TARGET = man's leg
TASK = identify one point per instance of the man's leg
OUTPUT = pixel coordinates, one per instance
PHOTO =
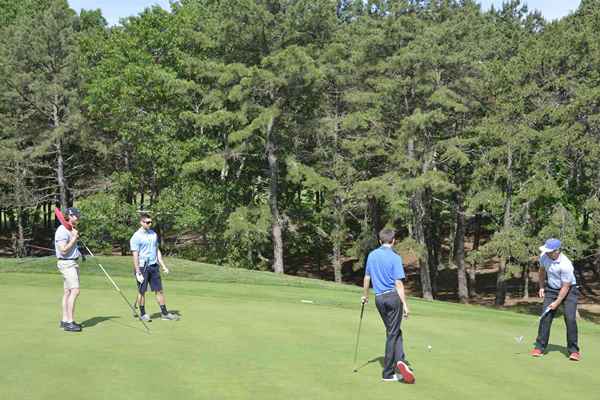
(570, 311)
(390, 316)
(543, 337)
(65, 311)
(71, 299)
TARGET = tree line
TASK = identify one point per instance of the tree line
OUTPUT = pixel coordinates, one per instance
(284, 134)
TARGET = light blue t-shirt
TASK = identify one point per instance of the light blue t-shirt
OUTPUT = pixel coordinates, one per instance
(62, 236)
(558, 271)
(384, 267)
(146, 244)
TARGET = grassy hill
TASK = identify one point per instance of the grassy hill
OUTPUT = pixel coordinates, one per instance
(255, 335)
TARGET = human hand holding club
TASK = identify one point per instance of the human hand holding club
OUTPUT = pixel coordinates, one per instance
(364, 299)
(405, 312)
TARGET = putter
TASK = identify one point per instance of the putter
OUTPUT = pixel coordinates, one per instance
(67, 225)
(115, 286)
(519, 339)
(362, 309)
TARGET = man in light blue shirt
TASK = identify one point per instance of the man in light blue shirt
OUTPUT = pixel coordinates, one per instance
(557, 285)
(146, 259)
(385, 270)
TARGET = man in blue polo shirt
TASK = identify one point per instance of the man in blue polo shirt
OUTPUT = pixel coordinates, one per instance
(146, 259)
(385, 270)
(557, 286)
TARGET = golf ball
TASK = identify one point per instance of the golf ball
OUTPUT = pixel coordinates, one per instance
(429, 347)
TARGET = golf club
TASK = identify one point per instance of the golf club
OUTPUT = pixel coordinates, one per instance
(115, 285)
(362, 309)
(59, 215)
(519, 339)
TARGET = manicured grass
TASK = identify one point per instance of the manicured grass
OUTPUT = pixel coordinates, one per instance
(248, 335)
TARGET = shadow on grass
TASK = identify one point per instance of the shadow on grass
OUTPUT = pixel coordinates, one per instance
(158, 315)
(556, 348)
(88, 323)
(376, 359)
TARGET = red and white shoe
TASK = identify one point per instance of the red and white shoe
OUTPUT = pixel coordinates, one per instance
(407, 375)
(575, 356)
(536, 353)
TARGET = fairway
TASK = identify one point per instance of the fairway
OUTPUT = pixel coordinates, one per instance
(254, 338)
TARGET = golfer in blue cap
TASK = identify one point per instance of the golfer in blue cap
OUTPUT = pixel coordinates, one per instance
(557, 285)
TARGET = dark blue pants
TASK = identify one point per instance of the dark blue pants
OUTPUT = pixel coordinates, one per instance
(570, 311)
(151, 275)
(390, 308)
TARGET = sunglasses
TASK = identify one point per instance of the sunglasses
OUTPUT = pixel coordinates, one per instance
(147, 222)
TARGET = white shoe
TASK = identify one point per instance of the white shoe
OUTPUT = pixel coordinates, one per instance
(145, 318)
(169, 317)
(394, 378)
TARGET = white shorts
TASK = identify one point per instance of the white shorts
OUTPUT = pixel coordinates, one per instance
(70, 272)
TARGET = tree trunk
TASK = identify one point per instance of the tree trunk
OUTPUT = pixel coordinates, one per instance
(276, 229)
(459, 249)
(526, 281)
(501, 278)
(60, 175)
(337, 240)
(419, 225)
(473, 269)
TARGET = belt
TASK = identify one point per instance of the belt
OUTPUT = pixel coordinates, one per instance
(386, 292)
(68, 259)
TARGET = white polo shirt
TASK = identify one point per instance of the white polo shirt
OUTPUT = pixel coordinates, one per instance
(558, 271)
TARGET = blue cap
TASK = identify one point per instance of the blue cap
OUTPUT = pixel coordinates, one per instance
(550, 246)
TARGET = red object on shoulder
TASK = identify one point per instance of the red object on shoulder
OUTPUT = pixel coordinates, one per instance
(59, 215)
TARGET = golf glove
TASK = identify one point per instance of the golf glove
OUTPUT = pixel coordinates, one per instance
(139, 277)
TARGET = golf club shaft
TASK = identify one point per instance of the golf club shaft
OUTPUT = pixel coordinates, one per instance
(115, 286)
(362, 309)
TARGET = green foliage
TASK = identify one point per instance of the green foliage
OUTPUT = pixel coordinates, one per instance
(106, 221)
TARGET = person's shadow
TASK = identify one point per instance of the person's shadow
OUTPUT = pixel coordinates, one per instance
(554, 347)
(157, 315)
(374, 360)
(88, 323)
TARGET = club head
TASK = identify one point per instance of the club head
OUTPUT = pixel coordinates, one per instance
(519, 339)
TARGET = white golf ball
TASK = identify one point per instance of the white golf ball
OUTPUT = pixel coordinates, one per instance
(429, 347)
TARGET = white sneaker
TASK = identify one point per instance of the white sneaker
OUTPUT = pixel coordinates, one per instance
(145, 318)
(394, 378)
(169, 317)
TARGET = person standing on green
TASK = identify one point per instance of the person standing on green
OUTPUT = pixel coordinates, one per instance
(557, 286)
(67, 253)
(385, 270)
(146, 260)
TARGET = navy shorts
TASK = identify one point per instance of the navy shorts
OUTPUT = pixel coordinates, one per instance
(151, 275)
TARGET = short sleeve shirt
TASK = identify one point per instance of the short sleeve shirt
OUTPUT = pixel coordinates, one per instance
(558, 271)
(146, 244)
(61, 237)
(384, 267)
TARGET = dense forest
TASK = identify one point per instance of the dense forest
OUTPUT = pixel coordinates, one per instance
(284, 134)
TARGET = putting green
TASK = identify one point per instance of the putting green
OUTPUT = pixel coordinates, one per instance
(245, 337)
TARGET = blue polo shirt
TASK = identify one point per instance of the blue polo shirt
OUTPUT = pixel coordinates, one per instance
(145, 242)
(384, 267)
